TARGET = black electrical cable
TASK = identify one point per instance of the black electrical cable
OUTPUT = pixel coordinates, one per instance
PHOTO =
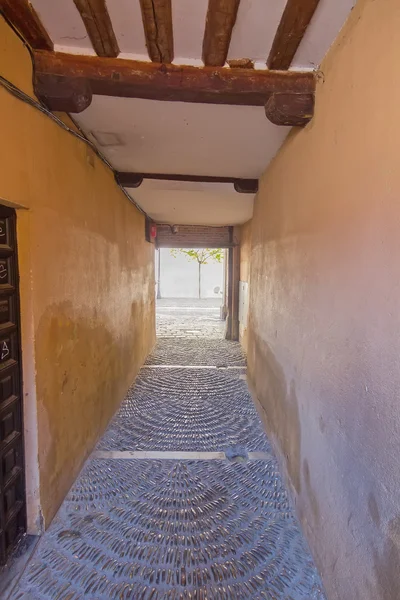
(18, 93)
(17, 32)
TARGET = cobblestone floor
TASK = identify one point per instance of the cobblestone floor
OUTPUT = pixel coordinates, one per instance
(157, 526)
(189, 318)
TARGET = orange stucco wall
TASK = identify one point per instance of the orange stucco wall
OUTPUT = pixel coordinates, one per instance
(87, 285)
(324, 332)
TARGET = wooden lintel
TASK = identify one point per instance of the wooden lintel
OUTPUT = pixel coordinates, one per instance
(157, 23)
(221, 18)
(134, 180)
(294, 110)
(132, 79)
(97, 21)
(68, 95)
(131, 180)
(246, 186)
(24, 17)
(292, 27)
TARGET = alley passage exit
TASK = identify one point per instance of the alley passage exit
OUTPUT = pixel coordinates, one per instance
(182, 498)
(190, 318)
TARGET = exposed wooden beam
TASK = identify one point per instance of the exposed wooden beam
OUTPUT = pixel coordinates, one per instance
(97, 21)
(292, 27)
(134, 180)
(246, 186)
(24, 17)
(290, 109)
(132, 79)
(66, 95)
(157, 23)
(221, 17)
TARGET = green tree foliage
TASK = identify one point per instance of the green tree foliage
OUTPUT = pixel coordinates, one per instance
(201, 255)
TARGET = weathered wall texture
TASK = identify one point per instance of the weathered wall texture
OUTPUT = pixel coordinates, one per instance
(87, 282)
(324, 340)
(245, 257)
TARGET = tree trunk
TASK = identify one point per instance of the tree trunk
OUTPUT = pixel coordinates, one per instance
(199, 280)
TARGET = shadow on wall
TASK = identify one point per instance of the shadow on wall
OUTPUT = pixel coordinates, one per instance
(374, 530)
(280, 411)
(80, 390)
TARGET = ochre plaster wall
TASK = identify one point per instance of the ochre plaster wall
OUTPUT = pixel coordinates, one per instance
(87, 284)
(245, 256)
(324, 331)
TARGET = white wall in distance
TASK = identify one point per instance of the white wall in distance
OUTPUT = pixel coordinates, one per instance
(179, 277)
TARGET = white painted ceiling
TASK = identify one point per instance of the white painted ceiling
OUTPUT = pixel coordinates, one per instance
(182, 203)
(148, 136)
(183, 138)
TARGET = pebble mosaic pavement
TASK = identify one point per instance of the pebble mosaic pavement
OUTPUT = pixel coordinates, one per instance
(178, 529)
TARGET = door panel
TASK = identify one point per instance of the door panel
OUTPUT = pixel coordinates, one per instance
(12, 478)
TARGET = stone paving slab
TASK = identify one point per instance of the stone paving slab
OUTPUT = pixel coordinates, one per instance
(173, 530)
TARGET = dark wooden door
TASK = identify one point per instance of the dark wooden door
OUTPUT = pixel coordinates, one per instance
(12, 477)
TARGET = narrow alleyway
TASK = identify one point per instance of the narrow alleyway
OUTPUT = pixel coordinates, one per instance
(182, 498)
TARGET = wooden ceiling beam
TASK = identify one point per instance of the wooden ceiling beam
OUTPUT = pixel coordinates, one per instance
(57, 75)
(292, 27)
(134, 180)
(294, 110)
(98, 25)
(24, 17)
(221, 18)
(157, 23)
